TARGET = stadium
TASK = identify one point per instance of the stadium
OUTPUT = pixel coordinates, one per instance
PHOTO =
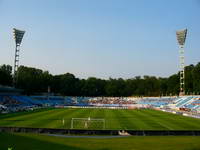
(44, 111)
(46, 119)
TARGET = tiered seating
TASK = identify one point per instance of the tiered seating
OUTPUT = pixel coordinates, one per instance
(81, 101)
(52, 100)
(156, 102)
(192, 103)
(68, 100)
(178, 100)
(24, 101)
(195, 104)
(184, 101)
(1, 98)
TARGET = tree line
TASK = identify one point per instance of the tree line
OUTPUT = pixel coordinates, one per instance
(37, 81)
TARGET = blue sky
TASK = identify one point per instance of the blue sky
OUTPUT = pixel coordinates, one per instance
(101, 38)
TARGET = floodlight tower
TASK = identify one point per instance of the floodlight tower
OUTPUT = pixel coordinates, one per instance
(181, 36)
(18, 35)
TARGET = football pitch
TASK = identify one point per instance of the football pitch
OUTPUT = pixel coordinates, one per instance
(115, 119)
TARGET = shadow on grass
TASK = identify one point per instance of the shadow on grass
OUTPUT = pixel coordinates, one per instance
(18, 142)
(16, 114)
(26, 141)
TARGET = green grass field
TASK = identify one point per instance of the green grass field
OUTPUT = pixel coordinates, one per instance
(43, 142)
(115, 119)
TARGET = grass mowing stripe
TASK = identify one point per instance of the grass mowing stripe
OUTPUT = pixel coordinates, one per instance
(115, 119)
(151, 122)
(30, 115)
(67, 114)
(165, 119)
(126, 120)
(176, 121)
(136, 119)
(120, 119)
(158, 120)
(18, 120)
(39, 120)
(112, 121)
(52, 120)
(15, 114)
(99, 113)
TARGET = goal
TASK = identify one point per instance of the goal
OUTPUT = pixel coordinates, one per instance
(88, 123)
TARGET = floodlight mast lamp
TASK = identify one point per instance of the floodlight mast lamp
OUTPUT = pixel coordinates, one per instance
(18, 35)
(181, 37)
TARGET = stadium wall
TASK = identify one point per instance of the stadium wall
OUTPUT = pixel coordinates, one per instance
(102, 132)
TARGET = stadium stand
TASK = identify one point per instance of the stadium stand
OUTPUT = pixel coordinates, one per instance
(184, 101)
(12, 100)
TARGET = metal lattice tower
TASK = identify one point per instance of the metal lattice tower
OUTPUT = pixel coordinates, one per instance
(181, 36)
(18, 35)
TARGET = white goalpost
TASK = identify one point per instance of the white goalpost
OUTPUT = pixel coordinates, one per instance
(88, 123)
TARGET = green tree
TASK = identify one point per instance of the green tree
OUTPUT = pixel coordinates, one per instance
(33, 80)
(189, 70)
(196, 78)
(173, 85)
(6, 75)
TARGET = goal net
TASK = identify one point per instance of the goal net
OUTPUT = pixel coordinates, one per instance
(88, 123)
